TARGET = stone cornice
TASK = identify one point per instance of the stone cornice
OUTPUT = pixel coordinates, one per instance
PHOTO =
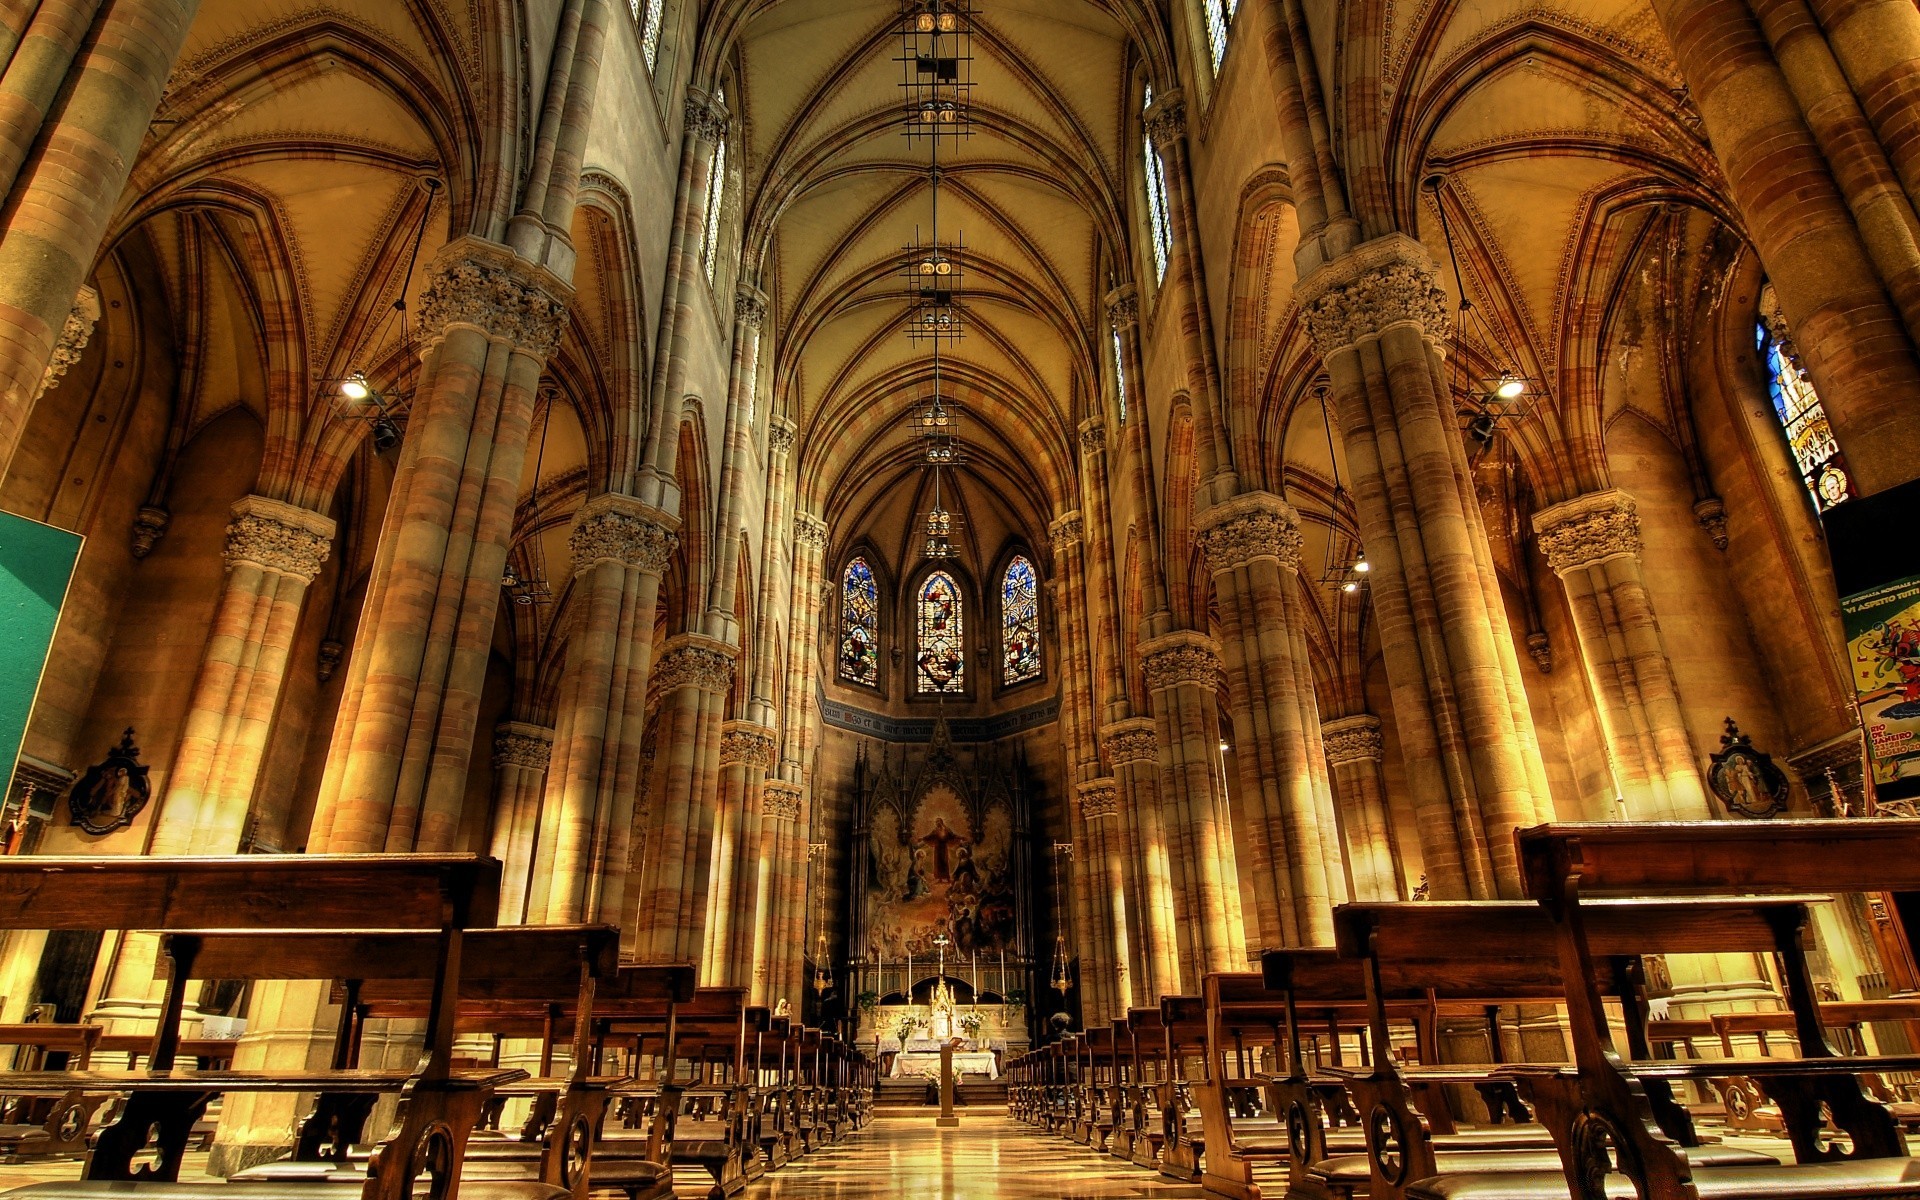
(279, 537)
(518, 744)
(747, 744)
(1130, 741)
(486, 286)
(696, 661)
(1588, 530)
(1099, 798)
(780, 800)
(1374, 287)
(620, 529)
(1352, 739)
(1254, 525)
(1182, 657)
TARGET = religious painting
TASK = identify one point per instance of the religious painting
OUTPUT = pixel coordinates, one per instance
(1019, 622)
(941, 626)
(944, 870)
(860, 625)
(1744, 779)
(113, 791)
(1883, 642)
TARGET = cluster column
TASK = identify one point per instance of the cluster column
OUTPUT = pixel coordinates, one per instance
(780, 933)
(746, 755)
(691, 680)
(1592, 543)
(620, 548)
(396, 777)
(274, 552)
(1083, 758)
(1252, 545)
(1183, 673)
(1106, 873)
(1133, 751)
(1354, 752)
(1378, 317)
(521, 754)
(80, 84)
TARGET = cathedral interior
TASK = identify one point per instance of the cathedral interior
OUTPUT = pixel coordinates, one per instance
(1018, 507)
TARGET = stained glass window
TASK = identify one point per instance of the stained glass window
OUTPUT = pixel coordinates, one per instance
(1019, 622)
(716, 192)
(860, 624)
(1120, 375)
(1157, 221)
(650, 28)
(1219, 18)
(942, 658)
(1822, 467)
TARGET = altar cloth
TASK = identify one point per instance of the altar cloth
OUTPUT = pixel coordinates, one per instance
(927, 1066)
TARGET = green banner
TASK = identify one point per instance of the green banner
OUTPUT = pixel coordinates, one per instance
(36, 564)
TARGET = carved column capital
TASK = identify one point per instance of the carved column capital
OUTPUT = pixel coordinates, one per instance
(1123, 307)
(486, 286)
(280, 537)
(518, 744)
(746, 744)
(75, 333)
(1130, 741)
(693, 660)
(780, 800)
(1065, 533)
(1099, 798)
(1253, 525)
(1588, 530)
(1166, 121)
(619, 529)
(1182, 657)
(1372, 288)
(706, 116)
(1352, 739)
(750, 306)
(780, 435)
(809, 530)
(1093, 436)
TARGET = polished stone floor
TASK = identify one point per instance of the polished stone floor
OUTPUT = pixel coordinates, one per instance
(987, 1158)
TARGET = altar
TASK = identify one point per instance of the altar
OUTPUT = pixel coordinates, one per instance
(914, 1062)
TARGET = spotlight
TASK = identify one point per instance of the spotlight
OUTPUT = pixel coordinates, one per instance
(355, 387)
(386, 435)
(1510, 387)
(1362, 565)
(1350, 587)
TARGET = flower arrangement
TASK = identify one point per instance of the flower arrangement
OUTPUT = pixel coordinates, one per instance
(970, 1024)
(904, 1030)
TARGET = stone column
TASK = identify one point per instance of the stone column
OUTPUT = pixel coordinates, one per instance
(274, 552)
(1818, 152)
(1378, 317)
(705, 123)
(1133, 751)
(72, 129)
(1103, 596)
(1183, 673)
(1074, 670)
(521, 754)
(1106, 868)
(1252, 546)
(691, 680)
(802, 714)
(746, 755)
(1353, 749)
(396, 777)
(620, 549)
(773, 940)
(1592, 543)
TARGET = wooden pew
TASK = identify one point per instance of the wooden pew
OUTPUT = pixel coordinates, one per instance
(699, 1082)
(1599, 1110)
(1097, 1086)
(1183, 1136)
(1147, 1084)
(1496, 953)
(444, 895)
(49, 1127)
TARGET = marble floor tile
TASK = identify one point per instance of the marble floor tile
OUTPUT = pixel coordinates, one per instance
(987, 1158)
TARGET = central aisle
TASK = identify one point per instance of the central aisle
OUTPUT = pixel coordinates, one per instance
(988, 1157)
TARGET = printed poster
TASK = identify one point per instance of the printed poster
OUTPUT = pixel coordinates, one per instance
(1883, 645)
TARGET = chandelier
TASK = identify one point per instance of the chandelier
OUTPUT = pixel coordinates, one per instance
(1487, 398)
(358, 396)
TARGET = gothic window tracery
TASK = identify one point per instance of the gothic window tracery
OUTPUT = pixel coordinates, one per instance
(1120, 375)
(1219, 22)
(1158, 223)
(1823, 469)
(650, 14)
(1019, 622)
(860, 624)
(940, 626)
(716, 194)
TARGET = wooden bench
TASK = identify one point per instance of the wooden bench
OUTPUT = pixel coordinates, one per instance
(441, 895)
(1598, 1109)
(691, 1069)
